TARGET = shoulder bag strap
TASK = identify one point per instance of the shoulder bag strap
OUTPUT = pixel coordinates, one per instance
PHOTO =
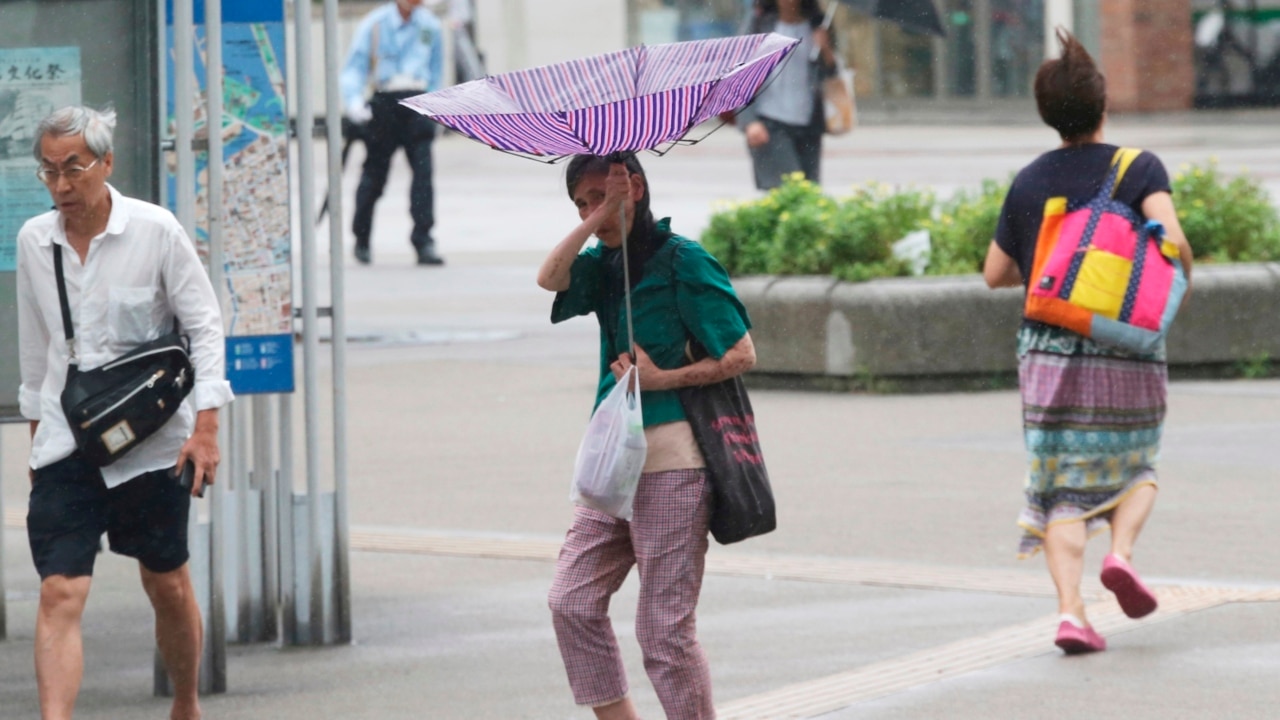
(693, 350)
(1124, 157)
(67, 328)
(1120, 163)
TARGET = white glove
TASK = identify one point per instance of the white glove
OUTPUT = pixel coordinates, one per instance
(359, 113)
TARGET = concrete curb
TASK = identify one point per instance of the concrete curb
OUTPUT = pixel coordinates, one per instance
(954, 327)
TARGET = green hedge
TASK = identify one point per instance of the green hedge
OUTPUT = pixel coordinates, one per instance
(797, 229)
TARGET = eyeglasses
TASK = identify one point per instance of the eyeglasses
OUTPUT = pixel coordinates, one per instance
(49, 176)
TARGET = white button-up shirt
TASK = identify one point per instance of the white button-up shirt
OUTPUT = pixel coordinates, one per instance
(139, 274)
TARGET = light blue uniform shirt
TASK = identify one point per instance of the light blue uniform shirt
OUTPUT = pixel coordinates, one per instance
(410, 54)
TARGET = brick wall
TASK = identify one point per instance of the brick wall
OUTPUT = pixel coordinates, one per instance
(1146, 54)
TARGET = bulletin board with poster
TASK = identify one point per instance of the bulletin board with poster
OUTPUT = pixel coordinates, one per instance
(55, 53)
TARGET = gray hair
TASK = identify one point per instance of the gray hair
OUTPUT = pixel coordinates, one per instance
(96, 126)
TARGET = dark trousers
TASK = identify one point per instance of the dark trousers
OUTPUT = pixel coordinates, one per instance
(791, 148)
(394, 126)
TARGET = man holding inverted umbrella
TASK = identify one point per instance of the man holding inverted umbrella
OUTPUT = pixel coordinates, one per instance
(675, 303)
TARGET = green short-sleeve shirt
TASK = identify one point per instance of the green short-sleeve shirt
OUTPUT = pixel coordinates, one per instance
(684, 293)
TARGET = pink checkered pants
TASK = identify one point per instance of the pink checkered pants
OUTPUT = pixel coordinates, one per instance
(667, 540)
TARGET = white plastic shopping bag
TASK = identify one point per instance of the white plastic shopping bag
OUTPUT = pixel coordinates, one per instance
(612, 452)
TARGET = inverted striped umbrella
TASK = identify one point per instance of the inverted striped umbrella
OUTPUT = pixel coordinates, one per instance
(642, 98)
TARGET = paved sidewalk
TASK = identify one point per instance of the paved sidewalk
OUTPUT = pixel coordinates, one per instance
(890, 589)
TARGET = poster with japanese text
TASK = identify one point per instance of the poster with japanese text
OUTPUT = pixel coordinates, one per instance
(33, 83)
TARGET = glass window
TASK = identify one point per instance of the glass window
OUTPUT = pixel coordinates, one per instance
(906, 62)
(962, 67)
(1017, 45)
(663, 21)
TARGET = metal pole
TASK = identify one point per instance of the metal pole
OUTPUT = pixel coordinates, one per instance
(1057, 12)
(245, 564)
(216, 634)
(183, 113)
(216, 630)
(941, 66)
(3, 623)
(162, 93)
(284, 509)
(982, 49)
(310, 335)
(264, 480)
(337, 292)
(184, 204)
(213, 664)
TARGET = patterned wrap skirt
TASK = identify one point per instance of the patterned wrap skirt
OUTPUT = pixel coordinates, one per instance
(1091, 419)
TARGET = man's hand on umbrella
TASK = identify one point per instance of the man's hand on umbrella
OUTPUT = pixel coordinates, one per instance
(757, 134)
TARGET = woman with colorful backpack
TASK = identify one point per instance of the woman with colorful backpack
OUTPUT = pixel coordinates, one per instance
(1092, 408)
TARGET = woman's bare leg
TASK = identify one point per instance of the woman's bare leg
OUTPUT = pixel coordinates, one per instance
(1128, 519)
(1064, 551)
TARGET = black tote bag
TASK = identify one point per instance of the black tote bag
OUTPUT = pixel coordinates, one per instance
(725, 429)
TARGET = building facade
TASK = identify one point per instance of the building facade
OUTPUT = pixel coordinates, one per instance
(1158, 55)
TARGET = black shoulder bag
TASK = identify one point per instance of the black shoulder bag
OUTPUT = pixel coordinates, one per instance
(113, 408)
(724, 427)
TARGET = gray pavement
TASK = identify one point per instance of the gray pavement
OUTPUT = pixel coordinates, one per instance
(890, 589)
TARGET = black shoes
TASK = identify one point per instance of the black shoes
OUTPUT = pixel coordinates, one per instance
(427, 256)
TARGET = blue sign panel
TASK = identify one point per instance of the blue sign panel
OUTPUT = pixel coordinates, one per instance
(235, 11)
(261, 364)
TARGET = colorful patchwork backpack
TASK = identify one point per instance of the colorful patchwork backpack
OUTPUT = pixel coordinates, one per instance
(1105, 272)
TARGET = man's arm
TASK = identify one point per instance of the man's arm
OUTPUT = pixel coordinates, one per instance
(33, 339)
(33, 346)
(202, 450)
(31, 474)
(355, 71)
(193, 301)
(435, 62)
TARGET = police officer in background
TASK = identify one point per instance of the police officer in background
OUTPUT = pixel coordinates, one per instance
(397, 52)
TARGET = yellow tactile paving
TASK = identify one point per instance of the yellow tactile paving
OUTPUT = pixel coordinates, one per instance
(824, 695)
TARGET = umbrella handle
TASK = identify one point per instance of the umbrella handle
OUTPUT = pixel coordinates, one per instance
(626, 281)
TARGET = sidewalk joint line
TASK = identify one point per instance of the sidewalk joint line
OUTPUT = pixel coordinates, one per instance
(813, 698)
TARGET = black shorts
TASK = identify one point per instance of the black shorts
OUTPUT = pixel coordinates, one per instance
(70, 508)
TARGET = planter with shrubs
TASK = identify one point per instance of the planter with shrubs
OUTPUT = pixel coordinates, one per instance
(880, 288)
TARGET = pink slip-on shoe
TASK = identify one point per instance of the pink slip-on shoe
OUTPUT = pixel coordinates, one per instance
(1135, 599)
(1075, 640)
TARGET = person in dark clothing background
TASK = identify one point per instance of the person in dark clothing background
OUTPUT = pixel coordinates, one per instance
(398, 52)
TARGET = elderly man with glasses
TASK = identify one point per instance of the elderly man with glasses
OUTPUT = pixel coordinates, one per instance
(130, 272)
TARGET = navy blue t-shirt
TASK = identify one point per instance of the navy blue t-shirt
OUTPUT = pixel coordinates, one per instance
(1075, 172)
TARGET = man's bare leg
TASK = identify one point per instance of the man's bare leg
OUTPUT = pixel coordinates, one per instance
(59, 650)
(179, 635)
